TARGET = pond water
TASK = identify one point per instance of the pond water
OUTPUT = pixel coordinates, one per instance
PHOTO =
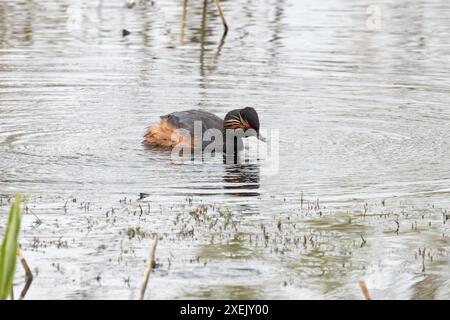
(360, 96)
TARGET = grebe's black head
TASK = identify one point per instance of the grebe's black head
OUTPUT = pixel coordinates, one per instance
(245, 119)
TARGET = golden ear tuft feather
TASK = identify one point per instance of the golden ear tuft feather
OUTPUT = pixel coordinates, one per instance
(237, 122)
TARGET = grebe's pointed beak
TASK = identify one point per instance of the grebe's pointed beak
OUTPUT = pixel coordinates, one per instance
(260, 137)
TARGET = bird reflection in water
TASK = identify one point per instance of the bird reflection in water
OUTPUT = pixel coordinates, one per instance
(242, 179)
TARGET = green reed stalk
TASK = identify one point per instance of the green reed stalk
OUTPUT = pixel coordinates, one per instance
(8, 251)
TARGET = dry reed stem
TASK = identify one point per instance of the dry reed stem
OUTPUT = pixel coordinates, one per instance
(150, 265)
(28, 274)
(365, 291)
(222, 17)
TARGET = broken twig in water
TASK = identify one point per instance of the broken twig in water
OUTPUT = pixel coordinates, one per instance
(28, 274)
(365, 291)
(222, 17)
(364, 242)
(149, 268)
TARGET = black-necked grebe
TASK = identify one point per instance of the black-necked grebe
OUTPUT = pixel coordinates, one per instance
(166, 133)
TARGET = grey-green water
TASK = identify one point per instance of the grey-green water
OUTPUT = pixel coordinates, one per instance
(362, 106)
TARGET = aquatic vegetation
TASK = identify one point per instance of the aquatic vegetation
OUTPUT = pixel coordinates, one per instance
(136, 232)
(293, 247)
(9, 252)
(9, 248)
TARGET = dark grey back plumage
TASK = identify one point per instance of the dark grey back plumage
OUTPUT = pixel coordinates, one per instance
(186, 119)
